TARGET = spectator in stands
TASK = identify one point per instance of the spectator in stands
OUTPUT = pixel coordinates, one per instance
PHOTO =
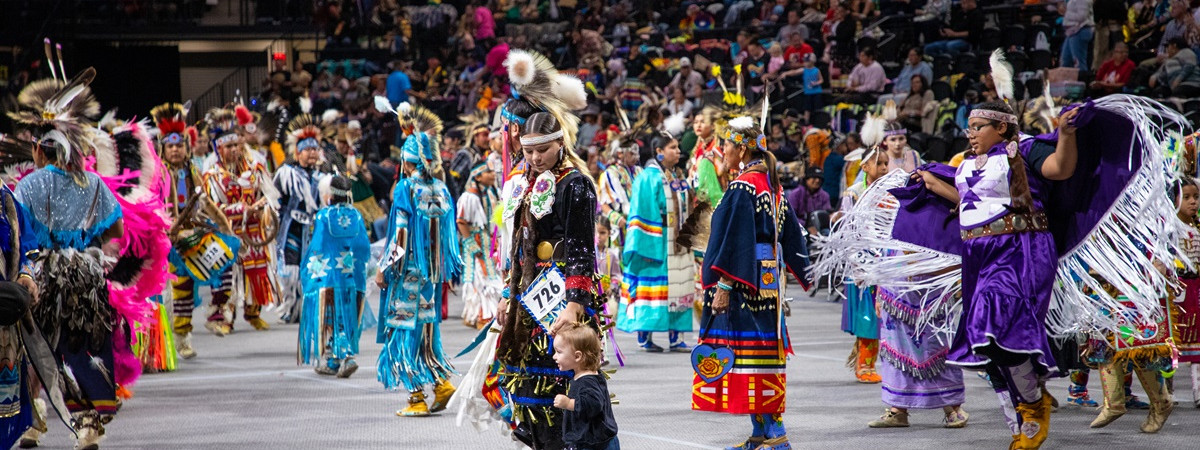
(960, 33)
(754, 67)
(775, 64)
(687, 79)
(793, 26)
(867, 80)
(485, 22)
(737, 49)
(1109, 15)
(796, 49)
(862, 9)
(678, 104)
(738, 10)
(897, 7)
(1178, 75)
(914, 64)
(1113, 73)
(918, 110)
(813, 98)
(839, 40)
(809, 197)
(1078, 26)
(399, 85)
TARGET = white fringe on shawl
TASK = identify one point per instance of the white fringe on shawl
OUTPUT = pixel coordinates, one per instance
(1138, 230)
(861, 247)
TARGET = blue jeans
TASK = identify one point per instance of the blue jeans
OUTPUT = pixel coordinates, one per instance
(951, 47)
(1075, 49)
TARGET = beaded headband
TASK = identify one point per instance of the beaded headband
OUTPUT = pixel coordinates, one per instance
(226, 138)
(307, 144)
(900, 132)
(508, 115)
(737, 137)
(538, 140)
(339, 192)
(173, 138)
(994, 115)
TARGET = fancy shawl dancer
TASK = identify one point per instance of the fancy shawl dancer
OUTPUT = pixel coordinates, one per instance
(73, 215)
(755, 237)
(422, 253)
(334, 278)
(551, 217)
(658, 284)
(1029, 211)
(912, 362)
(240, 185)
(299, 200)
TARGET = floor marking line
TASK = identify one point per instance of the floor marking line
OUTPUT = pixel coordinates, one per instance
(664, 439)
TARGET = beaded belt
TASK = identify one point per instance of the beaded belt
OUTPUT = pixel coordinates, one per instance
(1012, 223)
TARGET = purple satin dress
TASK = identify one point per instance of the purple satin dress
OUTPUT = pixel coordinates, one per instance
(1007, 280)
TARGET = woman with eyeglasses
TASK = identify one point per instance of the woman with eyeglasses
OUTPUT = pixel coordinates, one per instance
(1008, 259)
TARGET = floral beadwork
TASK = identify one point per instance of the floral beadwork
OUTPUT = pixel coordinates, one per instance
(541, 199)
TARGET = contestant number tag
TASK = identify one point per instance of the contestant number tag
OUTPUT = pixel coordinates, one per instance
(546, 297)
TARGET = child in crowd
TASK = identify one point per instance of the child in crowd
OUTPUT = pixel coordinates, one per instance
(334, 275)
(588, 422)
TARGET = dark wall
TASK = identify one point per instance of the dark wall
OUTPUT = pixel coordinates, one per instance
(130, 78)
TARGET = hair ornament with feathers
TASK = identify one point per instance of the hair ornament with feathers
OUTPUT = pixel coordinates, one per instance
(423, 135)
(1002, 76)
(535, 80)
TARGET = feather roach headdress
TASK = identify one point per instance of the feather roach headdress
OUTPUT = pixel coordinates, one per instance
(170, 119)
(303, 133)
(423, 135)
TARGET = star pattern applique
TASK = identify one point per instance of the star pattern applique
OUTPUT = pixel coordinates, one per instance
(345, 262)
(318, 266)
(344, 221)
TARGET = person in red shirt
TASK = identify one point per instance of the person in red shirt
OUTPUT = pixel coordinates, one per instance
(796, 46)
(1113, 73)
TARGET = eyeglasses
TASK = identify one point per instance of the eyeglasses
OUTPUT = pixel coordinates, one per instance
(976, 129)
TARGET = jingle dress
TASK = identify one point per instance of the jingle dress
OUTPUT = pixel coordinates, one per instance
(552, 221)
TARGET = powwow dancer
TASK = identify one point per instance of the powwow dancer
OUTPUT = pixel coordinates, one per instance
(1014, 234)
(334, 278)
(241, 186)
(755, 237)
(296, 180)
(550, 215)
(481, 279)
(175, 141)
(912, 368)
(658, 283)
(422, 253)
(72, 214)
